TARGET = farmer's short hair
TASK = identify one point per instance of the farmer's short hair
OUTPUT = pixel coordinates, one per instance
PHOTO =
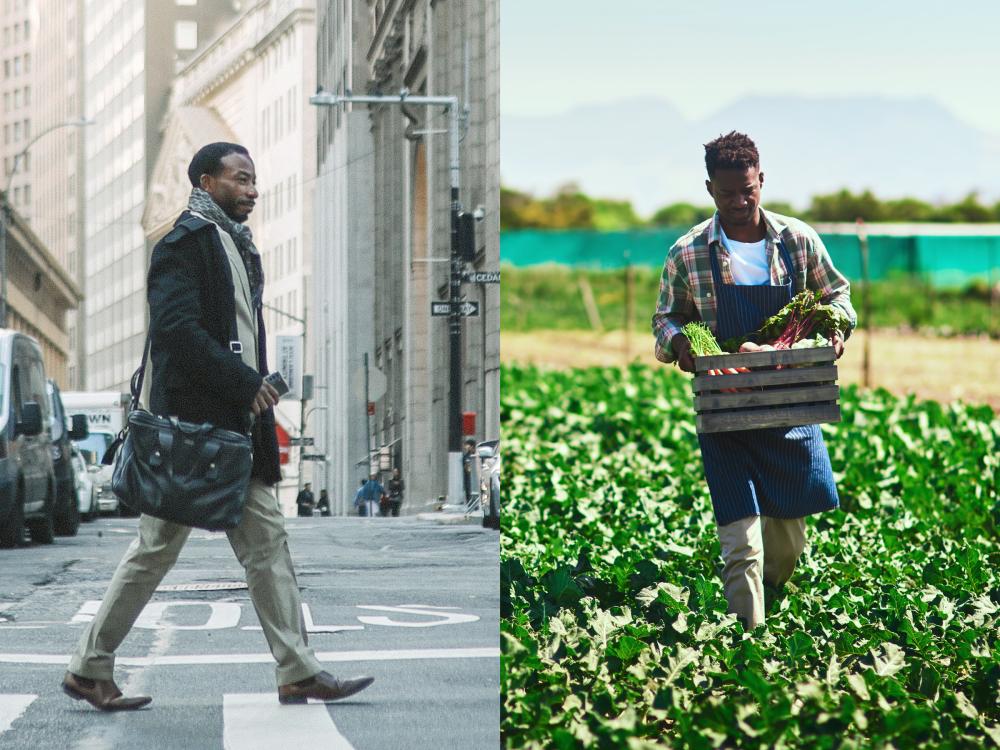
(209, 158)
(731, 151)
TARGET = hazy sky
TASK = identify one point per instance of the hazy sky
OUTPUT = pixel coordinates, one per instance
(704, 54)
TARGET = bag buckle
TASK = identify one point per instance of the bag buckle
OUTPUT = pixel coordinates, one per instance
(236, 347)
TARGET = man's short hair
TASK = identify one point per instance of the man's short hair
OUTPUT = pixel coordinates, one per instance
(209, 158)
(731, 151)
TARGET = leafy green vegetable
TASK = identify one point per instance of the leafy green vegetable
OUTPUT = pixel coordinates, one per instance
(614, 625)
(802, 318)
(702, 339)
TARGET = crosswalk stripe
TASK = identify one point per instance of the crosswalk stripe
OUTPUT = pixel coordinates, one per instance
(256, 721)
(324, 656)
(11, 708)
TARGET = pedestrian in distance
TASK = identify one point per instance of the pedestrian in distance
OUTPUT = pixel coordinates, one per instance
(323, 506)
(358, 502)
(395, 489)
(732, 272)
(205, 284)
(369, 496)
(468, 468)
(304, 501)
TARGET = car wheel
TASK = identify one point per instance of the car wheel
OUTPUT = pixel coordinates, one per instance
(68, 522)
(92, 509)
(42, 529)
(12, 530)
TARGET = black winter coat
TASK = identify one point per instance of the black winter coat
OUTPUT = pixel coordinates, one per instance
(192, 319)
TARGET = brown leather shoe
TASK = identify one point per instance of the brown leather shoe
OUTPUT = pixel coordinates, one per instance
(322, 687)
(102, 694)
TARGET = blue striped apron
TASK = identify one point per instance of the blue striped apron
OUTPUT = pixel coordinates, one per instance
(782, 472)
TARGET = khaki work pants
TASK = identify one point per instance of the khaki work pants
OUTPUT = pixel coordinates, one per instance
(261, 545)
(758, 550)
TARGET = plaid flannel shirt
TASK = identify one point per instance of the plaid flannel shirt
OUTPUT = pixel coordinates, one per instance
(687, 291)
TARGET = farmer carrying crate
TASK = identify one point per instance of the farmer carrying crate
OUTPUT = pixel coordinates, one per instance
(732, 272)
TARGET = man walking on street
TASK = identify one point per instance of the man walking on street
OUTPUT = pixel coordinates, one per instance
(304, 501)
(732, 272)
(205, 291)
(369, 496)
(323, 506)
(468, 459)
(395, 492)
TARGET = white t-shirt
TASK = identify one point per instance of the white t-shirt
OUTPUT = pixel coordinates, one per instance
(748, 262)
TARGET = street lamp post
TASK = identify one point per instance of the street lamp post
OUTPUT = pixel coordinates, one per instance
(82, 122)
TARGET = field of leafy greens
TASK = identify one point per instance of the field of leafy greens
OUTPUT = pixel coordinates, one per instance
(614, 624)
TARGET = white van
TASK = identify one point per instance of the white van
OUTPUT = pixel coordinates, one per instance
(105, 411)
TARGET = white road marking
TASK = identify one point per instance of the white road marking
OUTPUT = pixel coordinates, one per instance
(312, 627)
(325, 656)
(87, 611)
(427, 610)
(11, 708)
(259, 722)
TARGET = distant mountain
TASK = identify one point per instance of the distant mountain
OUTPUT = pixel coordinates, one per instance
(648, 152)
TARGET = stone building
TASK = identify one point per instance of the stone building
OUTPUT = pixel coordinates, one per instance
(383, 237)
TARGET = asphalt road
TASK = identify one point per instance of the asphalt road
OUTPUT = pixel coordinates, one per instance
(413, 603)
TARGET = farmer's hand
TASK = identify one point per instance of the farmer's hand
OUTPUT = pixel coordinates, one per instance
(838, 344)
(266, 397)
(682, 348)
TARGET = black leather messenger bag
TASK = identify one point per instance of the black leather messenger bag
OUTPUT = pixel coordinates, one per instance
(191, 474)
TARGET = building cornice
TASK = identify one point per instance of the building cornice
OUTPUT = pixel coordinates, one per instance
(203, 75)
(40, 256)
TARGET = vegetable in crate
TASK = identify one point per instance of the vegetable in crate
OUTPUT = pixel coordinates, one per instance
(702, 340)
(802, 318)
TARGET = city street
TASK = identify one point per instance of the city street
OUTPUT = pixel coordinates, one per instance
(413, 603)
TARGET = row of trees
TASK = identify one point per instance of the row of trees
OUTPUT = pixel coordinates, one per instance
(570, 208)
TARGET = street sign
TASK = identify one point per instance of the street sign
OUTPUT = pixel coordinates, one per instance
(302, 441)
(465, 309)
(314, 457)
(482, 277)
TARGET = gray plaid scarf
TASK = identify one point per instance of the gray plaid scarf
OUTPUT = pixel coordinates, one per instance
(202, 202)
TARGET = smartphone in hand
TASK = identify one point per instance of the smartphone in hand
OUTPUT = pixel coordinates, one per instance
(277, 382)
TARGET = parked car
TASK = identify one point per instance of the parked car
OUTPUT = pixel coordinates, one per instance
(86, 490)
(105, 412)
(489, 482)
(66, 515)
(27, 479)
(93, 448)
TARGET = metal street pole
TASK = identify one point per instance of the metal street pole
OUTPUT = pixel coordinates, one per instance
(451, 105)
(5, 207)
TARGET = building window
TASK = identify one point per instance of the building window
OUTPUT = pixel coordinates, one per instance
(186, 35)
(17, 98)
(27, 96)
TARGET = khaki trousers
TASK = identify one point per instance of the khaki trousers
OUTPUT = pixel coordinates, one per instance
(261, 545)
(758, 550)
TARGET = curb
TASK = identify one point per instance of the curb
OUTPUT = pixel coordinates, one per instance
(449, 518)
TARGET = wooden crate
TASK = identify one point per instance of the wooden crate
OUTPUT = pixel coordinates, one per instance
(805, 393)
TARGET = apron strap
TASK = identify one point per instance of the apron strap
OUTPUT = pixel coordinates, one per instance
(787, 257)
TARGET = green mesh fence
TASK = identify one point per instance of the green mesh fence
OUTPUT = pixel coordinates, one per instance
(945, 261)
